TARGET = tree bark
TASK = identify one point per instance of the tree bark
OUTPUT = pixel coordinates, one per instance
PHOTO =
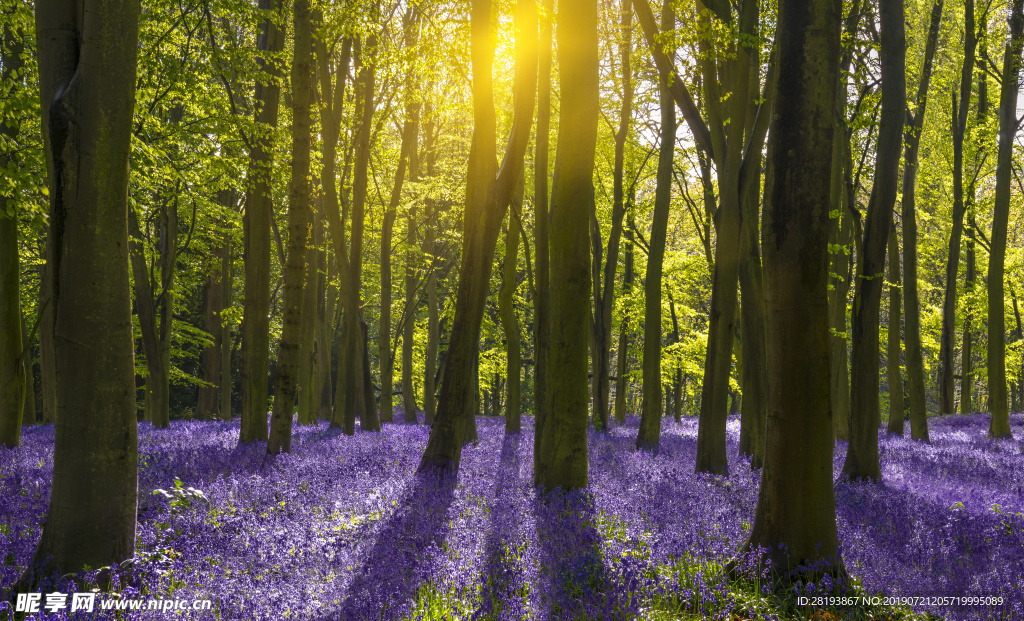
(649, 434)
(227, 286)
(307, 376)
(796, 504)
(208, 406)
(912, 307)
(947, 380)
(509, 321)
(621, 358)
(487, 200)
(430, 249)
(259, 212)
(87, 70)
(893, 339)
(1000, 425)
(563, 450)
(296, 281)
(12, 360)
(865, 412)
(542, 299)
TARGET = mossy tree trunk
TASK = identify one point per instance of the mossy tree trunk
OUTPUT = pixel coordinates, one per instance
(87, 69)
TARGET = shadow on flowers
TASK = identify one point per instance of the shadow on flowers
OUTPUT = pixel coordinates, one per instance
(392, 571)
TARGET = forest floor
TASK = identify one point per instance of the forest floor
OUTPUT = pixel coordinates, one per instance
(343, 528)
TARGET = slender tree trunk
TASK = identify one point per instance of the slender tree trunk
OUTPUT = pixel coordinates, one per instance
(356, 397)
(542, 300)
(649, 434)
(327, 299)
(621, 358)
(296, 281)
(912, 312)
(227, 287)
(509, 321)
(563, 450)
(307, 396)
(796, 504)
(840, 237)
(259, 212)
(47, 351)
(893, 339)
(487, 200)
(947, 380)
(754, 371)
(430, 249)
(966, 353)
(409, 326)
(12, 361)
(1000, 425)
(87, 70)
(865, 412)
(28, 416)
(208, 406)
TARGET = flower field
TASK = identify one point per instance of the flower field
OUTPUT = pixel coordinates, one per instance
(343, 528)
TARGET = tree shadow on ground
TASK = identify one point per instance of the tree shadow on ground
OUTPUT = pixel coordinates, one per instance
(398, 562)
(505, 581)
(575, 583)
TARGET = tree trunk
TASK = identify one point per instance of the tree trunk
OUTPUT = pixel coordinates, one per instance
(487, 200)
(796, 504)
(865, 412)
(509, 321)
(959, 128)
(754, 372)
(563, 450)
(893, 340)
(208, 406)
(326, 302)
(12, 361)
(87, 70)
(1000, 425)
(621, 358)
(296, 283)
(307, 396)
(966, 353)
(542, 299)
(259, 212)
(430, 249)
(912, 312)
(649, 434)
(28, 416)
(227, 285)
(355, 354)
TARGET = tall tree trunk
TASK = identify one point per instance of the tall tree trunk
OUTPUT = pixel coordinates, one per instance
(649, 434)
(28, 416)
(409, 325)
(307, 396)
(509, 321)
(893, 339)
(326, 302)
(563, 450)
(289, 364)
(865, 412)
(711, 455)
(542, 299)
(966, 353)
(912, 307)
(259, 212)
(947, 380)
(840, 238)
(604, 300)
(227, 286)
(487, 200)
(208, 406)
(430, 249)
(621, 358)
(1000, 425)
(87, 70)
(12, 361)
(353, 345)
(796, 504)
(47, 350)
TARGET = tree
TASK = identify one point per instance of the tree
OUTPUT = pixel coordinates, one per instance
(947, 381)
(87, 69)
(295, 281)
(542, 299)
(563, 449)
(865, 416)
(649, 434)
(912, 307)
(509, 321)
(257, 220)
(795, 504)
(12, 365)
(1000, 425)
(487, 199)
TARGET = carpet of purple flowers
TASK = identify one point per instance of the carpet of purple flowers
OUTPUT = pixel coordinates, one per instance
(343, 528)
